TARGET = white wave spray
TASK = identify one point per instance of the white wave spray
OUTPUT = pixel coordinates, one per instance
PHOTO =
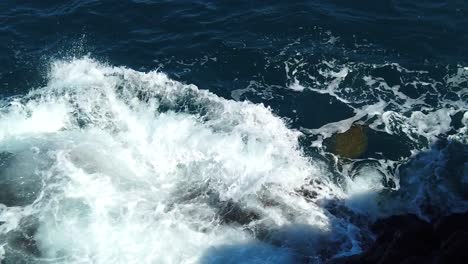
(110, 165)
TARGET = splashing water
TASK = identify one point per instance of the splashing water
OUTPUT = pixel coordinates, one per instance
(110, 165)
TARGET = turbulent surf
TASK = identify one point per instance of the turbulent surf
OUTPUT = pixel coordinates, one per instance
(215, 132)
(108, 164)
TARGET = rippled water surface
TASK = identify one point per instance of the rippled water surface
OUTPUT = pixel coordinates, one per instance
(226, 131)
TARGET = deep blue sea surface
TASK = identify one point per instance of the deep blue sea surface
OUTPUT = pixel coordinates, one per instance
(215, 131)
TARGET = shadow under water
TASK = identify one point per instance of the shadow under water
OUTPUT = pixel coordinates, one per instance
(432, 184)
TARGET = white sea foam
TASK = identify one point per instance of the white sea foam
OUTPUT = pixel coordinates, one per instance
(132, 167)
(111, 165)
(422, 120)
(296, 86)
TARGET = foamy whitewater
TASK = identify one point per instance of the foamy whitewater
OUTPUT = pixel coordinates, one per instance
(110, 165)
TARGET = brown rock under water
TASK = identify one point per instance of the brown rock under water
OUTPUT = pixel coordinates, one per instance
(351, 143)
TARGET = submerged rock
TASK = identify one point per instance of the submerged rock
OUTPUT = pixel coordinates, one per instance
(361, 141)
(231, 212)
(402, 237)
(450, 224)
(22, 240)
(408, 239)
(20, 182)
(351, 143)
(454, 249)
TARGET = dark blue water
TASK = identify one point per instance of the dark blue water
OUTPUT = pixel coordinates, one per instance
(248, 39)
(223, 46)
(395, 69)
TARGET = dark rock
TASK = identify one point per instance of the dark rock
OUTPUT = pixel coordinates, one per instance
(23, 239)
(407, 239)
(354, 259)
(408, 223)
(419, 260)
(455, 248)
(399, 238)
(403, 236)
(407, 244)
(447, 225)
(308, 193)
(231, 212)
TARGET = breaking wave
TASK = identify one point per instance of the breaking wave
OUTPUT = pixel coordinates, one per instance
(110, 165)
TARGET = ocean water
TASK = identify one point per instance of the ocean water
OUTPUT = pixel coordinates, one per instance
(206, 131)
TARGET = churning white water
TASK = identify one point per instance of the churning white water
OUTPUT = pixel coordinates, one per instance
(110, 165)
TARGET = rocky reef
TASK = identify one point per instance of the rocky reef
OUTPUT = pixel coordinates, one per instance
(410, 240)
(350, 144)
